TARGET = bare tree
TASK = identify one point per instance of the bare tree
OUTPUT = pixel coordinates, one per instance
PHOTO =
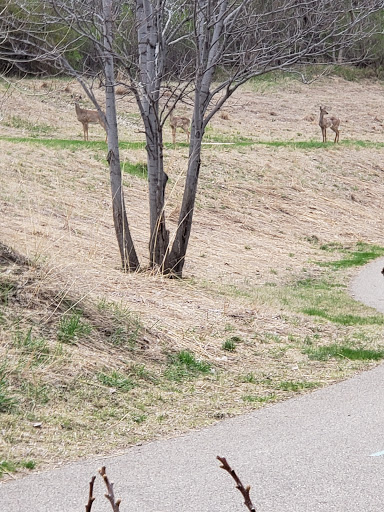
(127, 249)
(231, 39)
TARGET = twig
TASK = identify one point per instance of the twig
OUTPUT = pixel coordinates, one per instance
(244, 490)
(91, 499)
(110, 494)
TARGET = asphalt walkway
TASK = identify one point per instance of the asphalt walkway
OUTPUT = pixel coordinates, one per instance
(323, 451)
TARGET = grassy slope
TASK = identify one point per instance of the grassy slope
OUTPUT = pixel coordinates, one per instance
(94, 360)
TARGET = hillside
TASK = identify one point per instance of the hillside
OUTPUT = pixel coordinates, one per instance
(95, 360)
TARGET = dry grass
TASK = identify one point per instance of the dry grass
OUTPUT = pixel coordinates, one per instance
(263, 214)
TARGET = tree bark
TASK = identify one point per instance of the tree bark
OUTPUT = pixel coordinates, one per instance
(127, 250)
(157, 178)
(151, 65)
(208, 50)
(176, 258)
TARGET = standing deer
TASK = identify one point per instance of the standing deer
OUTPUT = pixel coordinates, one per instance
(328, 122)
(86, 117)
(179, 122)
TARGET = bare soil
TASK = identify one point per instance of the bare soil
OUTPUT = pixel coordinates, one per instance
(263, 213)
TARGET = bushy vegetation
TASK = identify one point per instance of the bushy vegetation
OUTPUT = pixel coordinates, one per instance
(81, 54)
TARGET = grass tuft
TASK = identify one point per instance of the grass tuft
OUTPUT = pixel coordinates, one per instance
(296, 386)
(7, 402)
(184, 365)
(72, 327)
(125, 325)
(6, 290)
(258, 398)
(116, 380)
(229, 345)
(8, 466)
(27, 344)
(248, 378)
(140, 169)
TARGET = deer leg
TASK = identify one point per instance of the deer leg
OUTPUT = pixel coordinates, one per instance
(336, 136)
(85, 130)
(336, 130)
(174, 135)
(324, 132)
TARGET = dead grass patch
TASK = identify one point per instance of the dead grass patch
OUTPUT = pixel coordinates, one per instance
(264, 215)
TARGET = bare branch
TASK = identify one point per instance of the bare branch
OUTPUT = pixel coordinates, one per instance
(110, 494)
(244, 490)
(91, 498)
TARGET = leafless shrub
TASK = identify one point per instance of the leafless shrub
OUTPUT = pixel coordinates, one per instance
(110, 495)
(244, 490)
(115, 504)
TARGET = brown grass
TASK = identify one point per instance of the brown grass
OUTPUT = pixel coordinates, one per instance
(262, 214)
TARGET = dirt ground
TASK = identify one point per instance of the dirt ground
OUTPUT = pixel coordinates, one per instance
(262, 213)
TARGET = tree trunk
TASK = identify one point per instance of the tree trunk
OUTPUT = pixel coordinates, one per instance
(151, 63)
(176, 258)
(127, 250)
(157, 179)
(208, 49)
(179, 247)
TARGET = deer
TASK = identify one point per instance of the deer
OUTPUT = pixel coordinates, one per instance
(328, 122)
(86, 117)
(179, 122)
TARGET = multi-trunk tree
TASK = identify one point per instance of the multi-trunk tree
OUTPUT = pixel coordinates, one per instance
(170, 51)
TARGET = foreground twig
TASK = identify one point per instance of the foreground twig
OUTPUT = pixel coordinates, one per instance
(244, 490)
(91, 498)
(110, 494)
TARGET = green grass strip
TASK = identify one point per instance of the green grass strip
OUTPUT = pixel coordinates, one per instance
(363, 254)
(228, 143)
(344, 351)
(344, 319)
(72, 144)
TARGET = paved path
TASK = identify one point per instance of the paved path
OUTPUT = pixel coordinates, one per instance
(320, 452)
(368, 285)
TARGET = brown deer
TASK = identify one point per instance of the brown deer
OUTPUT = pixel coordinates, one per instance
(328, 122)
(179, 122)
(86, 117)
